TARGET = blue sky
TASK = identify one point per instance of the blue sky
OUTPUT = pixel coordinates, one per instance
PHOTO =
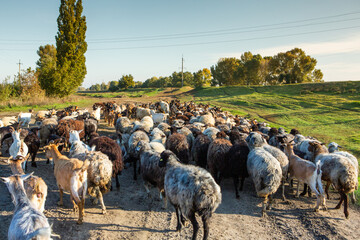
(148, 38)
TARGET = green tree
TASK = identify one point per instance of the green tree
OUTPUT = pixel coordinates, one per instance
(224, 72)
(294, 66)
(201, 77)
(46, 66)
(95, 87)
(71, 48)
(176, 79)
(126, 81)
(114, 86)
(104, 87)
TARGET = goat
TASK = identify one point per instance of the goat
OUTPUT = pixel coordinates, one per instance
(71, 175)
(27, 222)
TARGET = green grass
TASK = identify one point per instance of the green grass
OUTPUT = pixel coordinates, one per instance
(132, 93)
(327, 111)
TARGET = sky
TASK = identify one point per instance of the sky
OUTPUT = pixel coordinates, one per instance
(149, 38)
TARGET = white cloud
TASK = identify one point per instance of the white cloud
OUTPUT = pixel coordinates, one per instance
(346, 45)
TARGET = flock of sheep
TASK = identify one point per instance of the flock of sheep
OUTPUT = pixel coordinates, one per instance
(183, 149)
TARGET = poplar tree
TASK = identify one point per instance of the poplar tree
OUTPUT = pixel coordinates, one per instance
(71, 47)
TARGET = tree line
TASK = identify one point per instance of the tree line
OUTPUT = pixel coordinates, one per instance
(293, 66)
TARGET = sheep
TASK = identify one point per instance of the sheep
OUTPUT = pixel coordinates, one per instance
(237, 155)
(150, 171)
(164, 107)
(333, 147)
(306, 172)
(146, 124)
(188, 134)
(134, 139)
(159, 117)
(24, 119)
(96, 113)
(48, 127)
(27, 222)
(211, 132)
(90, 126)
(265, 171)
(179, 145)
(217, 158)
(71, 175)
(99, 170)
(33, 143)
(200, 148)
(35, 187)
(18, 147)
(9, 120)
(256, 140)
(190, 190)
(142, 112)
(123, 125)
(165, 128)
(336, 170)
(109, 147)
(207, 119)
(157, 135)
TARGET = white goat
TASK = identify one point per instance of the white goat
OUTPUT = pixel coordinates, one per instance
(27, 222)
(24, 119)
(18, 147)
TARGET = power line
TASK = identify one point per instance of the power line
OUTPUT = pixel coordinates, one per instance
(207, 43)
(219, 31)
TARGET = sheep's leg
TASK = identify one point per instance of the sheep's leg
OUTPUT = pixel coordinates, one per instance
(283, 189)
(33, 158)
(264, 204)
(346, 203)
(195, 225)
(135, 178)
(177, 210)
(205, 220)
(341, 200)
(236, 185)
(297, 189)
(327, 190)
(60, 203)
(292, 184)
(353, 198)
(100, 197)
(305, 190)
(242, 183)
(117, 181)
(270, 203)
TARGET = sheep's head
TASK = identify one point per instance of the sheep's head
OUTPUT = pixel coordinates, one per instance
(333, 146)
(164, 157)
(255, 140)
(315, 147)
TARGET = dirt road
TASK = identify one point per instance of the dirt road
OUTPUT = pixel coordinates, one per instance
(131, 214)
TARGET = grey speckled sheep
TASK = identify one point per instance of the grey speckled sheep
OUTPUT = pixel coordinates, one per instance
(133, 156)
(266, 174)
(150, 171)
(190, 190)
(336, 170)
(256, 140)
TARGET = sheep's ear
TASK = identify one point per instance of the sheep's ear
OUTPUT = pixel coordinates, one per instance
(26, 176)
(80, 130)
(5, 179)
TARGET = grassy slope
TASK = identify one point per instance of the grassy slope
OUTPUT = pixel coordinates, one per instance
(326, 111)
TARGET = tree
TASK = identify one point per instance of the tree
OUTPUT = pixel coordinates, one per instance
(176, 79)
(201, 77)
(46, 66)
(114, 86)
(224, 72)
(294, 66)
(71, 47)
(126, 81)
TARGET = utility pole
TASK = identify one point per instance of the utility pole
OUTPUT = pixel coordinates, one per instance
(19, 69)
(182, 71)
